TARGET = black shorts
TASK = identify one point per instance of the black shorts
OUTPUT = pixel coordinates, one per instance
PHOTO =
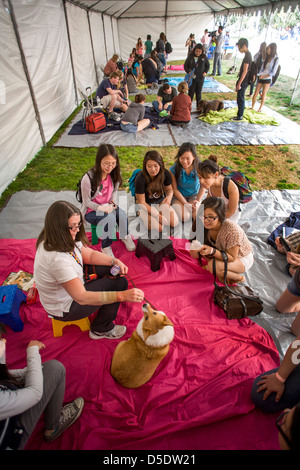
(264, 82)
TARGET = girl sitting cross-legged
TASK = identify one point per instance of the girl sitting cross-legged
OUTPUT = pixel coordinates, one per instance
(221, 234)
(186, 185)
(99, 188)
(153, 190)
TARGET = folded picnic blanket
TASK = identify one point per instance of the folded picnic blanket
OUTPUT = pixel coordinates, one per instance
(253, 117)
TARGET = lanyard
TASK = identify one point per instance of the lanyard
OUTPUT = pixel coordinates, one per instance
(72, 253)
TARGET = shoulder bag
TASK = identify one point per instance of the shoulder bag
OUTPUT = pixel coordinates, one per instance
(236, 301)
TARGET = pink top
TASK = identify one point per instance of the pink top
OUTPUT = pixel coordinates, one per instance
(105, 194)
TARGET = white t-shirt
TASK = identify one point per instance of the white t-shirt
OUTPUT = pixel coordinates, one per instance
(51, 269)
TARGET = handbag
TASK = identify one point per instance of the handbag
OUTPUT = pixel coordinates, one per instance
(95, 122)
(237, 301)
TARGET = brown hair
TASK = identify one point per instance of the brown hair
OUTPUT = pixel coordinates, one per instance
(183, 87)
(208, 167)
(155, 185)
(56, 233)
(114, 74)
(139, 98)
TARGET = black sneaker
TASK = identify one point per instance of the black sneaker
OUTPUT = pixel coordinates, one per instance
(237, 118)
(69, 414)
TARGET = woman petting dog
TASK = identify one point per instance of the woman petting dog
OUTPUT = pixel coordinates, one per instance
(99, 188)
(153, 191)
(221, 234)
(185, 181)
(73, 280)
(212, 180)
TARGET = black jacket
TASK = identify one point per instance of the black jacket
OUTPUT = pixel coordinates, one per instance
(200, 64)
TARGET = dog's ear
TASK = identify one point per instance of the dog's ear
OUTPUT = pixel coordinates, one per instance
(166, 321)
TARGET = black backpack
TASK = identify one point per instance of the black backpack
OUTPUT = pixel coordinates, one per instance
(252, 72)
(274, 78)
(168, 48)
(78, 192)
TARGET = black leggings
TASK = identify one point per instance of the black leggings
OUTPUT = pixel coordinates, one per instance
(106, 314)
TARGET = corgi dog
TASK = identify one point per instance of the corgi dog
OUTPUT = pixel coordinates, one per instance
(135, 360)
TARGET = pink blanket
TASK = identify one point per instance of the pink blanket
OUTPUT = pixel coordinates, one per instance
(198, 398)
(176, 67)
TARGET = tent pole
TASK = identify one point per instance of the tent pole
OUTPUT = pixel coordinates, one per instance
(295, 86)
(23, 59)
(70, 48)
(239, 37)
(104, 37)
(92, 44)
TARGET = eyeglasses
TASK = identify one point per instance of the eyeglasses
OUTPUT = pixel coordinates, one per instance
(75, 227)
(108, 165)
(209, 218)
(279, 422)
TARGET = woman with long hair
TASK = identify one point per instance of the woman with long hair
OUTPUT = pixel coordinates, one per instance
(185, 181)
(265, 74)
(212, 180)
(153, 190)
(221, 234)
(74, 280)
(99, 187)
(259, 59)
(196, 63)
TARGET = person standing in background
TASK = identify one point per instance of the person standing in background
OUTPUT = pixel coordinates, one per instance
(243, 81)
(205, 41)
(217, 66)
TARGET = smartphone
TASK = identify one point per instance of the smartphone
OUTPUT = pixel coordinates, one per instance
(285, 244)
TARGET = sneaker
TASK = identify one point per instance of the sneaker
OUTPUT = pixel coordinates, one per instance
(114, 116)
(129, 243)
(108, 251)
(69, 414)
(237, 118)
(117, 332)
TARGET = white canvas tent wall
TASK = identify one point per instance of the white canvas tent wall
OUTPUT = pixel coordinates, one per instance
(51, 49)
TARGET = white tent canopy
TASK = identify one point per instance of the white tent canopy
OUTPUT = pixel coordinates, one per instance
(51, 49)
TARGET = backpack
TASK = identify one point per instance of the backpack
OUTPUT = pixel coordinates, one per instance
(274, 78)
(241, 181)
(252, 72)
(168, 48)
(78, 192)
(132, 181)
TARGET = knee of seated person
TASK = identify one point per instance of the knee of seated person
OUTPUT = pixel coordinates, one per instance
(55, 367)
(121, 283)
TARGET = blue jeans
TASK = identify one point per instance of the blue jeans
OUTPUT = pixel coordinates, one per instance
(108, 223)
(162, 58)
(217, 63)
(128, 127)
(240, 98)
(155, 106)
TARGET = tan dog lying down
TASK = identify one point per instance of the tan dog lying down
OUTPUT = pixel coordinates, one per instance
(135, 360)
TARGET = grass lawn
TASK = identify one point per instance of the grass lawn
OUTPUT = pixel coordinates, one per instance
(268, 167)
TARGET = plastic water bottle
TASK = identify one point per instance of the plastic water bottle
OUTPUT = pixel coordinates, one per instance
(115, 270)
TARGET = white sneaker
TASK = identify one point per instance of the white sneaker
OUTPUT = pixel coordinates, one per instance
(108, 251)
(129, 243)
(117, 332)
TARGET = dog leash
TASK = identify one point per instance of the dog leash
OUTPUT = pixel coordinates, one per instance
(93, 276)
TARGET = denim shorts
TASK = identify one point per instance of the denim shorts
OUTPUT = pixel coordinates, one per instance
(128, 127)
(292, 288)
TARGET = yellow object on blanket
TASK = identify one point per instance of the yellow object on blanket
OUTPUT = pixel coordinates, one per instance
(253, 117)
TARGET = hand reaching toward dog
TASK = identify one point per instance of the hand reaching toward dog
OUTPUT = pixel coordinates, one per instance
(130, 295)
